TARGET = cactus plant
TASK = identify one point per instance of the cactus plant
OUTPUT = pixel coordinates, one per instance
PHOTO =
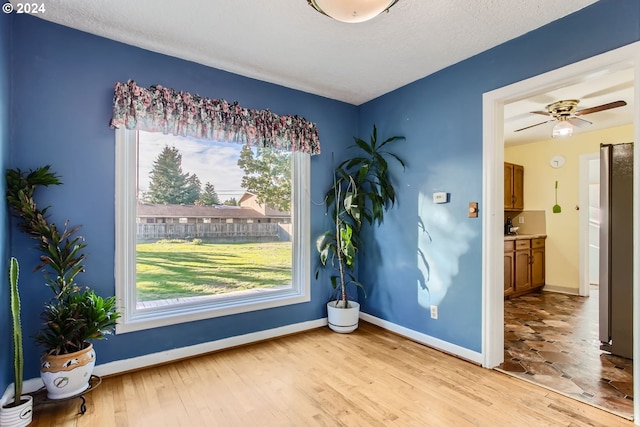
(18, 358)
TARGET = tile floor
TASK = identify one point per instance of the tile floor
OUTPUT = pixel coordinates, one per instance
(552, 339)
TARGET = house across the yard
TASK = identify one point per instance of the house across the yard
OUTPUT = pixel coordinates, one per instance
(248, 211)
(248, 221)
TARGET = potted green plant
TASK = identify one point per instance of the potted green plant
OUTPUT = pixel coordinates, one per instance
(362, 190)
(19, 412)
(338, 249)
(74, 315)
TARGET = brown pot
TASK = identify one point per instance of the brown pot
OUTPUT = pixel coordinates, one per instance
(68, 374)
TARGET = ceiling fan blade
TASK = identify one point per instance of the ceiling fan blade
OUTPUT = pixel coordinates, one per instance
(544, 113)
(579, 122)
(537, 124)
(602, 107)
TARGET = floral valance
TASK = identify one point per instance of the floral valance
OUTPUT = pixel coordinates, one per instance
(160, 109)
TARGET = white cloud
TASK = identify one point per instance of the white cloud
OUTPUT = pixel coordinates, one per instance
(212, 161)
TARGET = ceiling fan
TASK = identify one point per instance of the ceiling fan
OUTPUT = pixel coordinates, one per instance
(566, 114)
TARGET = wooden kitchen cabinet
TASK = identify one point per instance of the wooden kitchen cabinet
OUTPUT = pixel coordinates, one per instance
(513, 187)
(509, 267)
(537, 263)
(524, 266)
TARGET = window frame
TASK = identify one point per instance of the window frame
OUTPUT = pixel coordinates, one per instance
(134, 318)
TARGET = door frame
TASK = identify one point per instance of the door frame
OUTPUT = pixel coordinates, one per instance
(583, 222)
(493, 190)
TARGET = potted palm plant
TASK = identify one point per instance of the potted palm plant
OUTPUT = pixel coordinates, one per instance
(74, 315)
(18, 413)
(362, 190)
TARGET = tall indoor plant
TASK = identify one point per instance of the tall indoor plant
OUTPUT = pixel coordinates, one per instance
(74, 315)
(362, 190)
(19, 412)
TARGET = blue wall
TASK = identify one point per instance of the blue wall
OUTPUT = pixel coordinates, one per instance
(6, 356)
(441, 118)
(63, 84)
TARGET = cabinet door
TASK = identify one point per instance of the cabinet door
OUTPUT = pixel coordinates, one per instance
(518, 187)
(537, 267)
(522, 270)
(509, 269)
(508, 185)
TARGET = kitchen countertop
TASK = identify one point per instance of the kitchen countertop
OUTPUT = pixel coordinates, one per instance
(525, 236)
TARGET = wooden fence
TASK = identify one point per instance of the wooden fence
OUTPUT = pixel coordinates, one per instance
(214, 231)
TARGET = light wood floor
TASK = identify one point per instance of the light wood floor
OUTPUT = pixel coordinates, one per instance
(319, 378)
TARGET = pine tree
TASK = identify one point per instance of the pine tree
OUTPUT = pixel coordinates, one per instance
(267, 174)
(168, 184)
(192, 189)
(209, 197)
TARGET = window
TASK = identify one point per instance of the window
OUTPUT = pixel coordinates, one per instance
(146, 241)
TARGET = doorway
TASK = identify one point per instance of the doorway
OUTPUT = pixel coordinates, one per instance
(589, 177)
(493, 158)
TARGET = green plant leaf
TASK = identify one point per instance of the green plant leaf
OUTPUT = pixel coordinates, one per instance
(362, 190)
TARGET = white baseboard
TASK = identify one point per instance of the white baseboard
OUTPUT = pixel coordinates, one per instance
(28, 386)
(152, 359)
(455, 350)
(561, 290)
(119, 366)
(140, 362)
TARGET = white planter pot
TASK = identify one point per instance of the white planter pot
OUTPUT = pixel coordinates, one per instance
(343, 320)
(67, 375)
(17, 416)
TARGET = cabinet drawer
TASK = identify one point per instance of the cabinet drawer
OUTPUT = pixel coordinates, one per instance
(523, 244)
(537, 243)
(509, 246)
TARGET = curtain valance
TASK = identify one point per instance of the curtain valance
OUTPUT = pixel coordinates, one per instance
(160, 109)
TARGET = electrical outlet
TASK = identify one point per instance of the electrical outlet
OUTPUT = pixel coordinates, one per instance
(434, 311)
(520, 220)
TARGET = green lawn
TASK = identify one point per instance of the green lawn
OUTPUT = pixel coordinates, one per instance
(173, 269)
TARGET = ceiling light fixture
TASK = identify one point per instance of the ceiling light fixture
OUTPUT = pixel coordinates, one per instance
(562, 129)
(352, 11)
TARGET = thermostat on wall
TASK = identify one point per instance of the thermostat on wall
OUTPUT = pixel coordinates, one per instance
(440, 197)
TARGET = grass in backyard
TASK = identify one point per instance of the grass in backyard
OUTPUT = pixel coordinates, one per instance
(178, 269)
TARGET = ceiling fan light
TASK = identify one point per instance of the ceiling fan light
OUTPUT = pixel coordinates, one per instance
(351, 11)
(562, 129)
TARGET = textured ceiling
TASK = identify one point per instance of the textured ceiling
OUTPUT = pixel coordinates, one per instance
(288, 43)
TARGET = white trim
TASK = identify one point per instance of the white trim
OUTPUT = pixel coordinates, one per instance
(153, 359)
(492, 228)
(493, 150)
(125, 208)
(583, 223)
(135, 318)
(562, 290)
(28, 386)
(425, 339)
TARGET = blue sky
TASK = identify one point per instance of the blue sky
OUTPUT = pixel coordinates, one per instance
(212, 161)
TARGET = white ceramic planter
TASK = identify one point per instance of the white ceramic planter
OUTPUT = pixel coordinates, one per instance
(17, 416)
(343, 320)
(68, 374)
